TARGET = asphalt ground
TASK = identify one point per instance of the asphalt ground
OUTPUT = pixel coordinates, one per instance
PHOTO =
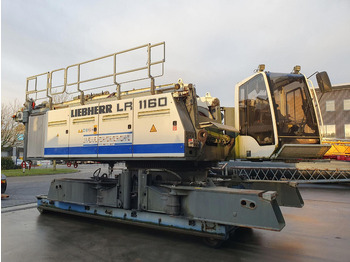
(320, 231)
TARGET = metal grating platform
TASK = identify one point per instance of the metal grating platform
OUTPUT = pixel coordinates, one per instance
(292, 174)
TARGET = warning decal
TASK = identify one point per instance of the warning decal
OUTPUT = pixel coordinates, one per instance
(153, 129)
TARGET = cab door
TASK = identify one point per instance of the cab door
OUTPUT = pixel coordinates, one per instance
(255, 120)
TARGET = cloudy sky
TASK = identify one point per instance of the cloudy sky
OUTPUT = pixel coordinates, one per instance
(213, 44)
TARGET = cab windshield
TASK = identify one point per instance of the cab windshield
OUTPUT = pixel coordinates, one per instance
(295, 115)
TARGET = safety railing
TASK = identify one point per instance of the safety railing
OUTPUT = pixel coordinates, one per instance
(38, 90)
(47, 90)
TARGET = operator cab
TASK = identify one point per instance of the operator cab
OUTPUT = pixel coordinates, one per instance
(276, 117)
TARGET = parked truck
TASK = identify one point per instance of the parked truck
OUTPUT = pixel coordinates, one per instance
(169, 138)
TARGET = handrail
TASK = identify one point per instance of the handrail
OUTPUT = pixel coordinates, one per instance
(49, 88)
(64, 89)
(36, 91)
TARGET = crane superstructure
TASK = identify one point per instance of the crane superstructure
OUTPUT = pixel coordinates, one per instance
(168, 138)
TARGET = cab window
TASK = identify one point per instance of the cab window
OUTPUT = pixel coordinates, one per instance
(254, 111)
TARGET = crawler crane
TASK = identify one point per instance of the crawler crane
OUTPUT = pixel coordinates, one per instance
(169, 138)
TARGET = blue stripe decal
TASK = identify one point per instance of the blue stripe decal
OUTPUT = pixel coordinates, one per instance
(56, 151)
(118, 149)
(85, 150)
(159, 148)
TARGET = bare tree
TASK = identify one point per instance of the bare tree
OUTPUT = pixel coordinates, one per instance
(9, 128)
(57, 99)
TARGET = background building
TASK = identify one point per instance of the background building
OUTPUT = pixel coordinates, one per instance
(16, 153)
(335, 108)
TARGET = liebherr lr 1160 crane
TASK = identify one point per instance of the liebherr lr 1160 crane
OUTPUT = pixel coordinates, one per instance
(169, 138)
